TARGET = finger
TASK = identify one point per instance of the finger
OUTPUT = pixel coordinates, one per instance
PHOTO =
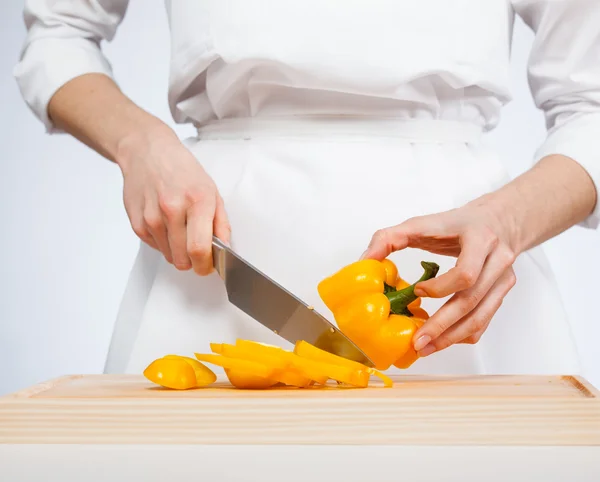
(463, 302)
(388, 240)
(155, 225)
(200, 218)
(476, 245)
(174, 218)
(149, 240)
(221, 226)
(139, 228)
(471, 327)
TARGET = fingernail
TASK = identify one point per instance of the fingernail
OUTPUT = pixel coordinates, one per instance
(428, 350)
(420, 292)
(362, 256)
(422, 342)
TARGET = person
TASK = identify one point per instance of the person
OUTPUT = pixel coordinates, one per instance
(324, 130)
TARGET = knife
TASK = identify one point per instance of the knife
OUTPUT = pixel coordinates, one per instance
(273, 306)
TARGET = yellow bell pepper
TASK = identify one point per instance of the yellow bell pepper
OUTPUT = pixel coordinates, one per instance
(376, 308)
(411, 354)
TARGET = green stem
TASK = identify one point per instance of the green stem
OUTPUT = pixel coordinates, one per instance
(400, 299)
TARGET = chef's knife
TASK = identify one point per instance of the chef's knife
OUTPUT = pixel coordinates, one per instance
(276, 308)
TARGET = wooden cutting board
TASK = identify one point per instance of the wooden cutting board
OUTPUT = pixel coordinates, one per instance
(418, 410)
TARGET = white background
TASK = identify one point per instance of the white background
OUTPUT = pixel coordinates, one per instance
(66, 247)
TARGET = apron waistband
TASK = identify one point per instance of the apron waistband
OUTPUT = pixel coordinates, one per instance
(411, 130)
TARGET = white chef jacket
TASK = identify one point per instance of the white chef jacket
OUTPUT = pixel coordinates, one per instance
(396, 58)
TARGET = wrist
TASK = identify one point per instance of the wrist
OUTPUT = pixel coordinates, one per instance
(502, 214)
(135, 143)
(539, 204)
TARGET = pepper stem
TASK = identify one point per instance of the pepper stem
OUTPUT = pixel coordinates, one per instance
(400, 299)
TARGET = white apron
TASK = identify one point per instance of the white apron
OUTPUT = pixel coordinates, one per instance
(304, 195)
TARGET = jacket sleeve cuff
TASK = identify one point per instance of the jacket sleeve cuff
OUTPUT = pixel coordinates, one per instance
(47, 65)
(578, 139)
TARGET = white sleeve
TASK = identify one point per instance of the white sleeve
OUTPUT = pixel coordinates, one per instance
(564, 78)
(63, 42)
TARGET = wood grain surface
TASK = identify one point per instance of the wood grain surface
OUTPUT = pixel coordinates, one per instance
(418, 410)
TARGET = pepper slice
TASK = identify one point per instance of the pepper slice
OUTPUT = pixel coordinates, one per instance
(372, 311)
(241, 378)
(247, 381)
(293, 379)
(217, 348)
(204, 375)
(286, 358)
(247, 366)
(320, 372)
(276, 359)
(311, 352)
(277, 373)
(258, 353)
(172, 373)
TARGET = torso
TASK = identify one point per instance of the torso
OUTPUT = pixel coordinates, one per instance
(304, 202)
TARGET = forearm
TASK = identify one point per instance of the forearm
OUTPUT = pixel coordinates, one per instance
(93, 109)
(554, 195)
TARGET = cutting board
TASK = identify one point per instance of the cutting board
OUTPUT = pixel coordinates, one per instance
(418, 410)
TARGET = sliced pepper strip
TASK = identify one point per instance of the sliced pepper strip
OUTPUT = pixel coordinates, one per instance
(274, 357)
(292, 361)
(311, 352)
(283, 375)
(294, 379)
(244, 380)
(271, 359)
(318, 371)
(216, 348)
(255, 368)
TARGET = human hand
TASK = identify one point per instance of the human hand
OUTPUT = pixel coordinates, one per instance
(172, 203)
(481, 240)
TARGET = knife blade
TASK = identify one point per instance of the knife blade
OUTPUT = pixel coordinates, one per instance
(279, 310)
